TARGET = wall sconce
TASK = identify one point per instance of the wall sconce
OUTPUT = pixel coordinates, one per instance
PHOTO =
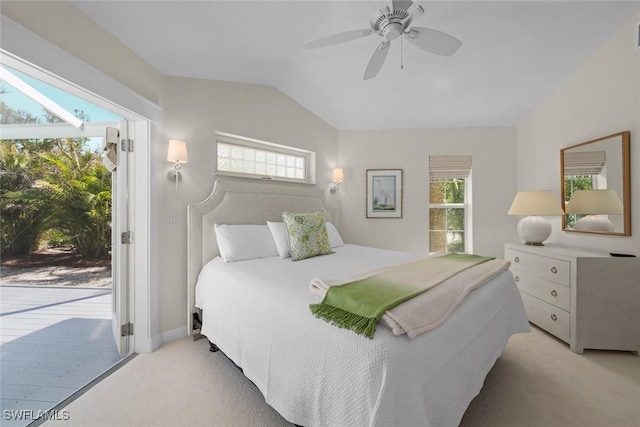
(177, 154)
(592, 203)
(534, 229)
(337, 177)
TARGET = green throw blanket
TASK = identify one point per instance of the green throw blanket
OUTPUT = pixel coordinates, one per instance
(359, 305)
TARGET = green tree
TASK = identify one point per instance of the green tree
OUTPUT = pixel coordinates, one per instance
(24, 212)
(571, 184)
(80, 190)
(55, 186)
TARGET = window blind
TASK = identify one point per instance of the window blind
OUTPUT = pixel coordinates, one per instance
(442, 167)
(584, 162)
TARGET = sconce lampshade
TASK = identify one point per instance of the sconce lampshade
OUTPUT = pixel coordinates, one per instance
(177, 152)
(592, 203)
(534, 229)
(337, 176)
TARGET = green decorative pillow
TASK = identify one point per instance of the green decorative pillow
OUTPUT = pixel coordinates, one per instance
(308, 235)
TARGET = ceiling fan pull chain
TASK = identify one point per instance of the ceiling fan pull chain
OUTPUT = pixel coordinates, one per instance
(401, 54)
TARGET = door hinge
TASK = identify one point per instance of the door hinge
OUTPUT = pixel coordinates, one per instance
(126, 238)
(126, 329)
(128, 145)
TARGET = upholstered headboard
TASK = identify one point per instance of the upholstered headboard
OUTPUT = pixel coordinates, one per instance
(241, 202)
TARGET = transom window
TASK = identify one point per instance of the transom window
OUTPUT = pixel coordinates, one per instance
(449, 211)
(252, 158)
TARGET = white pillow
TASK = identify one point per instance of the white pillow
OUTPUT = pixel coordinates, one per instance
(281, 237)
(246, 241)
(334, 237)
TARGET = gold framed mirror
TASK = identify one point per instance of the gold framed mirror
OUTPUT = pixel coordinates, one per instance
(595, 177)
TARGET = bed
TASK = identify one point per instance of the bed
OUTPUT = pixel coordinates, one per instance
(257, 312)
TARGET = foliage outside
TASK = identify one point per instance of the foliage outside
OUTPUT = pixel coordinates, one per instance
(446, 215)
(53, 192)
(571, 184)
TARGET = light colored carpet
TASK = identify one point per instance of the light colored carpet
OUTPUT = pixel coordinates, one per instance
(536, 382)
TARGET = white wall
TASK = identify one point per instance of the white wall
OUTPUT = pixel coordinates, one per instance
(63, 25)
(600, 98)
(193, 110)
(44, 34)
(493, 152)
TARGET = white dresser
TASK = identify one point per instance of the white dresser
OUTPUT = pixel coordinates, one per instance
(588, 299)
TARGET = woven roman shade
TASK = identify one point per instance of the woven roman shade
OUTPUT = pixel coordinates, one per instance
(584, 162)
(441, 167)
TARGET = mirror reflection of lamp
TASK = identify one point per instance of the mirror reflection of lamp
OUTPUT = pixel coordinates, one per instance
(594, 203)
(534, 229)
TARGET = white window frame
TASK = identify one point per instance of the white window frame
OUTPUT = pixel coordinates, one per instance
(309, 157)
(467, 206)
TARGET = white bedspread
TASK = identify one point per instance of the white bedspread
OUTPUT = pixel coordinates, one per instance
(316, 374)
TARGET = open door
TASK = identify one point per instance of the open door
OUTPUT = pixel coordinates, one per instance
(118, 149)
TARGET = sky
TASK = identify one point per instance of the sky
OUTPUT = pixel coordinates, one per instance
(18, 101)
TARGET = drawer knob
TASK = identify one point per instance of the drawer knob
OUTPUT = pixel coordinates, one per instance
(554, 293)
(554, 317)
(516, 259)
(517, 279)
(554, 270)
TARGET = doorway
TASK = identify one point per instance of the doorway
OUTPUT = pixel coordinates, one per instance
(55, 339)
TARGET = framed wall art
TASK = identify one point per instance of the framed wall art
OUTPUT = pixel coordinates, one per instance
(384, 193)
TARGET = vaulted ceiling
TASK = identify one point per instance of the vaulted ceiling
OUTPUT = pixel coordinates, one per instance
(514, 53)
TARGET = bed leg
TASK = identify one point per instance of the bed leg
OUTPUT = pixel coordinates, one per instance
(212, 347)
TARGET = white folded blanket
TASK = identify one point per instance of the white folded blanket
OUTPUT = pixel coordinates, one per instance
(430, 309)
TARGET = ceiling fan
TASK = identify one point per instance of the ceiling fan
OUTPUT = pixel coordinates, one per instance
(390, 24)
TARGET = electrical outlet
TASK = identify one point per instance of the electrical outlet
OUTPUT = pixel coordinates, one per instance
(171, 220)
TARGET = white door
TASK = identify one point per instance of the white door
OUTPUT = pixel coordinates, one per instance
(122, 238)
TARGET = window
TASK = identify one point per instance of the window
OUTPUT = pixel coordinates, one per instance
(449, 209)
(583, 170)
(251, 158)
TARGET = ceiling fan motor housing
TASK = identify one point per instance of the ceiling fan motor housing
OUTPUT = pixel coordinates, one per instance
(390, 25)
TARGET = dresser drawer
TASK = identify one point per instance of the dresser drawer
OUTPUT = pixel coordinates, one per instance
(547, 316)
(551, 292)
(548, 268)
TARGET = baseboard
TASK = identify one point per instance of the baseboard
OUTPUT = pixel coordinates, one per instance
(172, 335)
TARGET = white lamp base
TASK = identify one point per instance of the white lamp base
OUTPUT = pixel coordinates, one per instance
(534, 230)
(594, 223)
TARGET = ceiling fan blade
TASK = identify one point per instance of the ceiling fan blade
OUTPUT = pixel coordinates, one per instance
(338, 38)
(401, 4)
(377, 59)
(433, 40)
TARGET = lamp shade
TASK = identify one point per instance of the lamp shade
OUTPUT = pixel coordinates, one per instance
(337, 176)
(177, 152)
(541, 203)
(596, 202)
(534, 229)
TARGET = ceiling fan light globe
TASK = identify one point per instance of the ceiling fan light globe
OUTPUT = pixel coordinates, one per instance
(415, 10)
(392, 31)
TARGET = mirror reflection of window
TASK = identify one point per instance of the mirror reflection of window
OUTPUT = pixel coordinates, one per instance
(601, 164)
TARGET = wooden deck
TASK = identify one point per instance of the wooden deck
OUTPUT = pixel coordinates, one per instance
(53, 341)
